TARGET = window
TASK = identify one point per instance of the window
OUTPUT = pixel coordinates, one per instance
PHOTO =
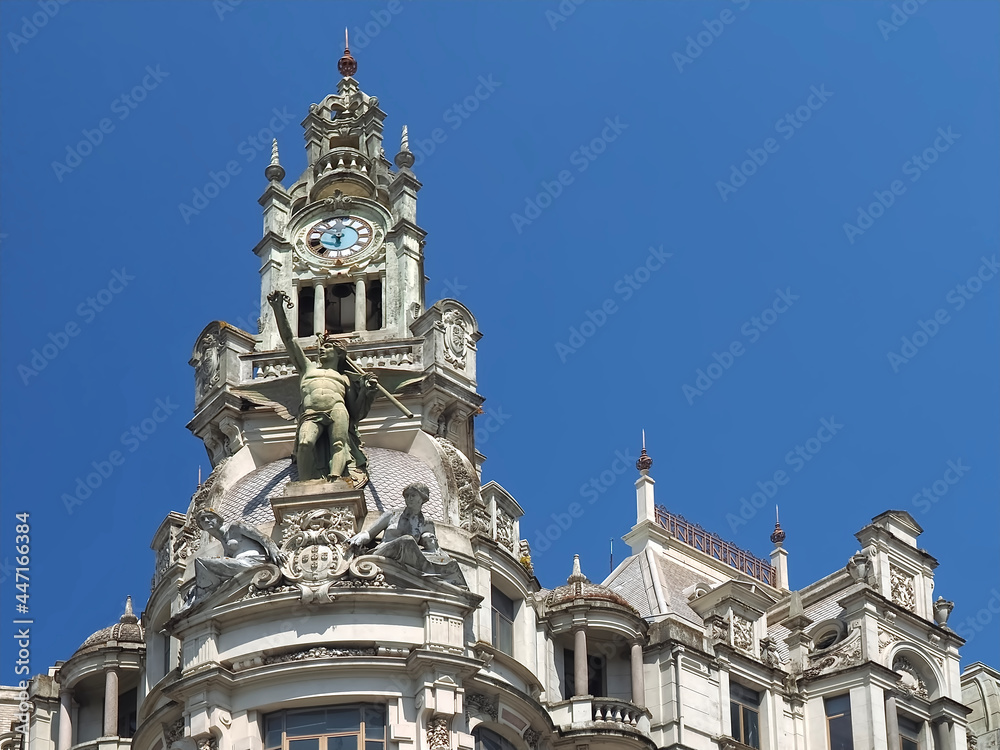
(503, 621)
(490, 740)
(838, 723)
(909, 734)
(744, 710)
(336, 728)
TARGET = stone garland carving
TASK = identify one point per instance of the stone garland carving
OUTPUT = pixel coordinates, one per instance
(319, 652)
(720, 630)
(472, 512)
(742, 633)
(455, 338)
(173, 732)
(484, 705)
(970, 739)
(531, 737)
(901, 588)
(206, 363)
(207, 742)
(438, 734)
(505, 529)
(910, 681)
(162, 562)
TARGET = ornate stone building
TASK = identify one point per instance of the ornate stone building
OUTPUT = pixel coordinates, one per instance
(277, 620)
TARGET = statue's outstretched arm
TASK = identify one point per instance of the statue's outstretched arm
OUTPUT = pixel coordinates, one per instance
(278, 301)
(364, 537)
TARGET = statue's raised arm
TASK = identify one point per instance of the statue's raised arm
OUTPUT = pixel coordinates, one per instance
(279, 301)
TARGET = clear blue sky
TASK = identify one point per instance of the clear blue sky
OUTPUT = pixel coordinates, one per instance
(840, 106)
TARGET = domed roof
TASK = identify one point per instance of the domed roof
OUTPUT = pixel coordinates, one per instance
(126, 630)
(578, 586)
(389, 471)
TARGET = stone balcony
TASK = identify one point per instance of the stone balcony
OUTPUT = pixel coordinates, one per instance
(609, 722)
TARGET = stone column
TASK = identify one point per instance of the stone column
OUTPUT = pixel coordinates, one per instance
(580, 661)
(293, 314)
(110, 703)
(891, 721)
(360, 306)
(638, 682)
(319, 308)
(65, 720)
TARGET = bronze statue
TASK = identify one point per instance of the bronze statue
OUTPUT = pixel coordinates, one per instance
(334, 399)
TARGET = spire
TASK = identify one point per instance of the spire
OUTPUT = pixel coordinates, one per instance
(274, 171)
(404, 159)
(778, 536)
(347, 65)
(577, 575)
(645, 462)
(129, 617)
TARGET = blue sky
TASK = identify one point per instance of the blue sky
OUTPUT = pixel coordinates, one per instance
(734, 225)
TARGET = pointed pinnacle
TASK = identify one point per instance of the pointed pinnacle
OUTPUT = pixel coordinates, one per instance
(274, 172)
(405, 158)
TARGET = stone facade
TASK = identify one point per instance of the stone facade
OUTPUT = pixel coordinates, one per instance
(689, 643)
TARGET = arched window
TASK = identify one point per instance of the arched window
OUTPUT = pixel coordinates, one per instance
(487, 739)
(353, 727)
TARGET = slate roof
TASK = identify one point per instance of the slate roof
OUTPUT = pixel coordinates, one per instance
(390, 471)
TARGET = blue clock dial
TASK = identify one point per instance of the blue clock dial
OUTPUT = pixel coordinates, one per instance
(340, 237)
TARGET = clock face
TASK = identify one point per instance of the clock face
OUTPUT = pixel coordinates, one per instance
(340, 237)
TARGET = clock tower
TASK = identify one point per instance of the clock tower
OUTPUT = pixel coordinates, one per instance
(343, 243)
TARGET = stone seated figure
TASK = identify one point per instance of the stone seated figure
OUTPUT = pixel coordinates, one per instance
(244, 548)
(409, 538)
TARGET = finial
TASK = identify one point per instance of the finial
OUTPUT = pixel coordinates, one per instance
(347, 65)
(577, 575)
(274, 171)
(405, 158)
(199, 476)
(645, 462)
(778, 535)
(129, 616)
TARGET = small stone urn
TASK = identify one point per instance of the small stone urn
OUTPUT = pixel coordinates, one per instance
(858, 567)
(942, 611)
